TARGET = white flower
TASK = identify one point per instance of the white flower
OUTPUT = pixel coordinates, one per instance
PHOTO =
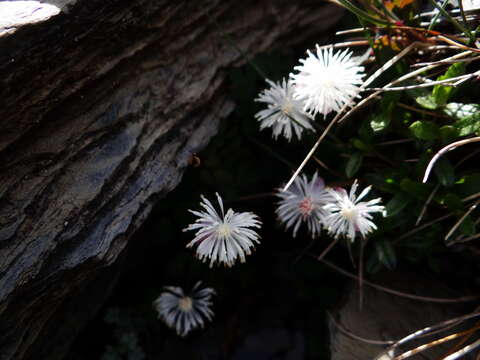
(223, 238)
(284, 114)
(327, 81)
(348, 215)
(304, 202)
(184, 312)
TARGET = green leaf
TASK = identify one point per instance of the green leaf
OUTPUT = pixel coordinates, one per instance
(424, 130)
(452, 202)
(467, 115)
(468, 185)
(442, 93)
(365, 131)
(460, 111)
(427, 102)
(379, 122)
(416, 189)
(353, 164)
(361, 145)
(467, 227)
(382, 119)
(396, 204)
(386, 254)
(448, 133)
(445, 172)
(468, 125)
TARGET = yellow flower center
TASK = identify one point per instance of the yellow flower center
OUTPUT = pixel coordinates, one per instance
(287, 108)
(349, 213)
(185, 304)
(224, 230)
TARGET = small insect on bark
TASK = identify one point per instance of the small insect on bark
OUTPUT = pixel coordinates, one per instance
(194, 160)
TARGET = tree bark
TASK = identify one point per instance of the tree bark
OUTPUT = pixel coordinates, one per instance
(102, 107)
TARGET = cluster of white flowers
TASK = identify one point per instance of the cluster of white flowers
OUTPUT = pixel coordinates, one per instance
(339, 212)
(324, 82)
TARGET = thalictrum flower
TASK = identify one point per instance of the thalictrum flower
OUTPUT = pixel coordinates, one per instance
(223, 238)
(284, 114)
(327, 80)
(184, 312)
(303, 202)
(348, 215)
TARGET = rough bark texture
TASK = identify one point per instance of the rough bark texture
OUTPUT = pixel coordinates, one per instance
(101, 109)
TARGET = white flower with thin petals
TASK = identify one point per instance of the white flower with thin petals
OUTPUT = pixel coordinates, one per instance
(304, 202)
(284, 114)
(185, 312)
(349, 215)
(223, 238)
(326, 81)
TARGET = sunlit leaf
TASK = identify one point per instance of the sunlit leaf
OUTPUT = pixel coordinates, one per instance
(467, 115)
(427, 102)
(425, 130)
(442, 93)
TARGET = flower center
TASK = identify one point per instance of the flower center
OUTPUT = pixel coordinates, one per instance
(287, 107)
(306, 206)
(287, 110)
(224, 230)
(185, 303)
(350, 213)
(328, 82)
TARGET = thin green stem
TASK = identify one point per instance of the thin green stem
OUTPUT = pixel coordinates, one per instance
(433, 22)
(464, 19)
(363, 14)
(455, 23)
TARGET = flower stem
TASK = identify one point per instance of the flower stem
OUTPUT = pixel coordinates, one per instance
(362, 14)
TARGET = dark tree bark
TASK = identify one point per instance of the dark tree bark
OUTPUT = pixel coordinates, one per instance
(101, 108)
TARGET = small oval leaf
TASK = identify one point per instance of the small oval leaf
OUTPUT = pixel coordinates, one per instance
(353, 164)
(424, 130)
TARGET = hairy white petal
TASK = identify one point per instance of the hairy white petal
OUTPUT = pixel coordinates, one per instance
(304, 202)
(184, 312)
(225, 237)
(284, 114)
(327, 80)
(348, 215)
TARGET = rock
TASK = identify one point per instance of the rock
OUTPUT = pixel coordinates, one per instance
(386, 317)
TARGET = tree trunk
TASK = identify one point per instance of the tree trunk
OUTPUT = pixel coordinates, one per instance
(103, 105)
